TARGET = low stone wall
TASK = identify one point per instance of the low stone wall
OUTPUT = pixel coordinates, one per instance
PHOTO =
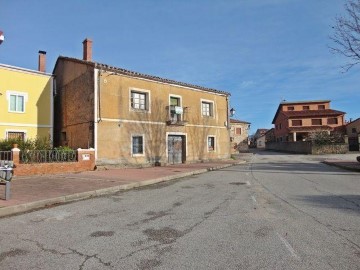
(291, 147)
(330, 149)
(85, 162)
(307, 148)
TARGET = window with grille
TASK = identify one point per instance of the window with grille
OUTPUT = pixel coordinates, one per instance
(316, 122)
(16, 135)
(139, 100)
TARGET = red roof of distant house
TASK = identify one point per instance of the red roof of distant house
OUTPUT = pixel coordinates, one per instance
(236, 121)
(310, 113)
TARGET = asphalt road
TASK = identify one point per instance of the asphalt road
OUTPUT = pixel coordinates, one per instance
(275, 212)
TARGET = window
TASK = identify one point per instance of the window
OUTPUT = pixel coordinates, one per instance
(332, 121)
(353, 130)
(296, 123)
(316, 122)
(290, 108)
(16, 135)
(211, 143)
(238, 131)
(207, 108)
(321, 107)
(139, 100)
(175, 109)
(280, 126)
(16, 101)
(306, 108)
(137, 145)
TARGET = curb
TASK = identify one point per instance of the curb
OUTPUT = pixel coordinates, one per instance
(341, 166)
(26, 207)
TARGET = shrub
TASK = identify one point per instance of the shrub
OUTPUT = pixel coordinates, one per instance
(39, 143)
(323, 137)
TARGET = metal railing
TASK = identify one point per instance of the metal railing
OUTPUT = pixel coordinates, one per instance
(47, 156)
(6, 155)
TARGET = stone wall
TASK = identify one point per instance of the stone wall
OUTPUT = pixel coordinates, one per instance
(307, 148)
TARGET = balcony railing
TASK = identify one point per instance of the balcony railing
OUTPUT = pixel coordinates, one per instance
(177, 116)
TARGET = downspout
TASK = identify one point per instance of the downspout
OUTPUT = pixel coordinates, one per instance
(228, 123)
(96, 108)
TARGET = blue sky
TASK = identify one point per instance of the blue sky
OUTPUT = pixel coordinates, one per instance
(260, 51)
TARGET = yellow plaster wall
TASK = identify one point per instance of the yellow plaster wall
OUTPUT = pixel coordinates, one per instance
(37, 108)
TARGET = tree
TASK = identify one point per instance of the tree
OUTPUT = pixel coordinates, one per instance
(346, 35)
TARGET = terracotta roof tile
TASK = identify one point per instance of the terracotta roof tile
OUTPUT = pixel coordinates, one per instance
(310, 113)
(141, 75)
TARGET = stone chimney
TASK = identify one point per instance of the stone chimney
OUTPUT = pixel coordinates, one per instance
(87, 49)
(42, 61)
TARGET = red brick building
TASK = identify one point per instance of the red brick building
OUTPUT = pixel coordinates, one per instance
(293, 121)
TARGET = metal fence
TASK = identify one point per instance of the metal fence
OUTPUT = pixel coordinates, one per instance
(47, 156)
(6, 155)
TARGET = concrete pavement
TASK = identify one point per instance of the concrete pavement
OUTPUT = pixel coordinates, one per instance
(34, 192)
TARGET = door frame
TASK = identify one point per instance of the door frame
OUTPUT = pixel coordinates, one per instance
(185, 144)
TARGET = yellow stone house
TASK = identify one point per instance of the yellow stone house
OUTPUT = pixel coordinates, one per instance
(26, 102)
(134, 118)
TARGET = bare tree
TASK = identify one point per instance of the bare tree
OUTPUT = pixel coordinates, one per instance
(346, 35)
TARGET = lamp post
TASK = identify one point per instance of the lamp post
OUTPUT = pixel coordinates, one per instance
(2, 38)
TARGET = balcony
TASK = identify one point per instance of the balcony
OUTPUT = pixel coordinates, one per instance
(176, 116)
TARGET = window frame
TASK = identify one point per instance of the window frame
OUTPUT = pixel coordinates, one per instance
(300, 121)
(211, 108)
(332, 118)
(291, 108)
(142, 136)
(180, 116)
(321, 107)
(147, 100)
(306, 108)
(313, 120)
(214, 143)
(16, 94)
(236, 130)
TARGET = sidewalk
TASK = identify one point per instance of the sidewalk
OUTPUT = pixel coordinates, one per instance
(33, 192)
(344, 164)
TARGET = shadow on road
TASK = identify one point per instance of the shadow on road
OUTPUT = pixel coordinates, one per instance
(290, 168)
(340, 202)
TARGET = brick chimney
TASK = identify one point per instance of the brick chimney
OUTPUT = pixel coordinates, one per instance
(42, 61)
(87, 49)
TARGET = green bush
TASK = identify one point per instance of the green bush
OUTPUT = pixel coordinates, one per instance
(39, 143)
(324, 138)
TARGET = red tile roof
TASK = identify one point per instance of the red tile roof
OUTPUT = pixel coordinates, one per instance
(312, 113)
(139, 75)
(235, 121)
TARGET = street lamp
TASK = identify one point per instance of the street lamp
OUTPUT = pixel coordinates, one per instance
(232, 112)
(1, 37)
